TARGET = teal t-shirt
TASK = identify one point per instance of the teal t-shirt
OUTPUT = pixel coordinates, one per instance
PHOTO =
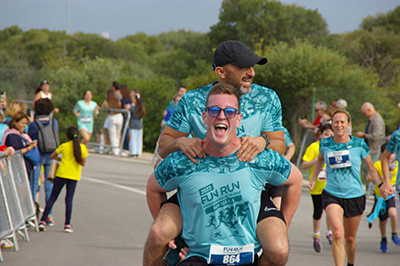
(261, 110)
(169, 106)
(343, 164)
(220, 197)
(394, 147)
(288, 140)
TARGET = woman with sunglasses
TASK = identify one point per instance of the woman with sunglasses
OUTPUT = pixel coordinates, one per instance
(343, 197)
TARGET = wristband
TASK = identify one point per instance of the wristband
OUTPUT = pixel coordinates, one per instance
(379, 186)
(266, 140)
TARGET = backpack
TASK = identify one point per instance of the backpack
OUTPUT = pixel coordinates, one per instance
(47, 137)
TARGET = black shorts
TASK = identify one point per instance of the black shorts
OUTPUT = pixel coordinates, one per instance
(351, 207)
(199, 261)
(273, 191)
(390, 203)
(267, 208)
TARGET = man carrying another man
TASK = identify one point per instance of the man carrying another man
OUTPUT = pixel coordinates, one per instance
(262, 120)
(220, 196)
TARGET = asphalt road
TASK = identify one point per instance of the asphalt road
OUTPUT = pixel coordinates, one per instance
(111, 222)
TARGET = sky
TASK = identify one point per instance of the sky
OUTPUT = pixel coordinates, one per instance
(118, 18)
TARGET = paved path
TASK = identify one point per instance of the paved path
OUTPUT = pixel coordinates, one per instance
(111, 222)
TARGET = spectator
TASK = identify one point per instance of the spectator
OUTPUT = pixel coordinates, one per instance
(341, 104)
(177, 97)
(16, 137)
(126, 103)
(115, 87)
(43, 109)
(138, 111)
(309, 160)
(181, 91)
(43, 92)
(375, 131)
(86, 110)
(114, 120)
(385, 208)
(290, 148)
(15, 107)
(68, 173)
(3, 100)
(319, 109)
(3, 126)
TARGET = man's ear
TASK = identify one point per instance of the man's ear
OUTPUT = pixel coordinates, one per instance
(204, 116)
(239, 120)
(220, 72)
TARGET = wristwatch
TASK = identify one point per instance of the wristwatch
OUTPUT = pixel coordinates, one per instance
(266, 140)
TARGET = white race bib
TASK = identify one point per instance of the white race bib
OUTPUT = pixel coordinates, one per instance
(237, 255)
(339, 159)
(86, 119)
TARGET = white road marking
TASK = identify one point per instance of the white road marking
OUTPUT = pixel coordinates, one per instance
(114, 185)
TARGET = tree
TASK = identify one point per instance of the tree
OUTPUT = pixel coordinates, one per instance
(390, 21)
(266, 22)
(293, 72)
(378, 50)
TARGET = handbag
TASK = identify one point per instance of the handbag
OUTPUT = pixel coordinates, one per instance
(53, 170)
(33, 156)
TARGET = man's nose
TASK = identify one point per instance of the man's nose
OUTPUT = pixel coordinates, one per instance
(250, 71)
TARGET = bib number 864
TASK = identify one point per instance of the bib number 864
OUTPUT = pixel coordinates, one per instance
(231, 259)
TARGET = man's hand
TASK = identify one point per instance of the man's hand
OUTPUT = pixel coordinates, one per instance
(386, 189)
(192, 148)
(359, 134)
(251, 146)
(184, 251)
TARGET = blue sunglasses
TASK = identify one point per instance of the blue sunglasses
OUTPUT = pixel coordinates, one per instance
(214, 111)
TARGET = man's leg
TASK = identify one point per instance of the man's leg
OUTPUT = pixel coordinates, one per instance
(167, 226)
(272, 234)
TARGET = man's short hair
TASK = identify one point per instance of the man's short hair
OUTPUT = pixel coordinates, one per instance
(224, 88)
(115, 85)
(321, 104)
(44, 107)
(181, 87)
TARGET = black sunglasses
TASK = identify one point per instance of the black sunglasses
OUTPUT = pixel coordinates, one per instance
(214, 111)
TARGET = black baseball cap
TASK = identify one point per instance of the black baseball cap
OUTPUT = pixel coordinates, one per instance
(237, 54)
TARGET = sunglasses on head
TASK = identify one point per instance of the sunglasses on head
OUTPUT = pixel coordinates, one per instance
(214, 111)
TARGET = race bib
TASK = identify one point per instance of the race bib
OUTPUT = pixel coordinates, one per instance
(86, 119)
(322, 175)
(339, 159)
(237, 255)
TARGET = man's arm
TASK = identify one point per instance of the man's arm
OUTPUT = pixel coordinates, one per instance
(251, 146)
(155, 195)
(385, 190)
(172, 140)
(291, 194)
(290, 151)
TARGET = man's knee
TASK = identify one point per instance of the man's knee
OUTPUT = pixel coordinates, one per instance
(272, 234)
(167, 225)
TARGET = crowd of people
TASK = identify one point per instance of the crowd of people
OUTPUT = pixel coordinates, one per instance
(227, 155)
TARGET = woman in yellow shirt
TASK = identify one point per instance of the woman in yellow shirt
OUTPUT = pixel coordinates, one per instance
(68, 173)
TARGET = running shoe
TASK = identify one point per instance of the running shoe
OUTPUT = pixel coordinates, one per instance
(42, 226)
(384, 246)
(50, 221)
(329, 238)
(68, 229)
(396, 239)
(317, 244)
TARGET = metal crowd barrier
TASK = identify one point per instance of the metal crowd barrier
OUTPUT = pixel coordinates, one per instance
(16, 202)
(125, 128)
